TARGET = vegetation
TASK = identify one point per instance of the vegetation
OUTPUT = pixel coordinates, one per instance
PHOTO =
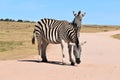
(8, 45)
(98, 28)
(12, 20)
(15, 38)
(117, 36)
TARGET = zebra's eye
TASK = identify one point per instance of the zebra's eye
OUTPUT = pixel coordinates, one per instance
(80, 19)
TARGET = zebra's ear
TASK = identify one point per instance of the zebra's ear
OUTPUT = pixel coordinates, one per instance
(83, 14)
(79, 12)
(74, 13)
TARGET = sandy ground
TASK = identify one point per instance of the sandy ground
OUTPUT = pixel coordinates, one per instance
(100, 61)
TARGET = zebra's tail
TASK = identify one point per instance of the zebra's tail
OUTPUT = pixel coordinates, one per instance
(33, 38)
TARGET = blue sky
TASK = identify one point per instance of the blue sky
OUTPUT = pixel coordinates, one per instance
(105, 12)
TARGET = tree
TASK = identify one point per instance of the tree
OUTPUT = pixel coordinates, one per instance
(6, 19)
(19, 20)
(1, 19)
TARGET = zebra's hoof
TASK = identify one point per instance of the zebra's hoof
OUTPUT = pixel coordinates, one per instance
(44, 61)
(72, 63)
(78, 61)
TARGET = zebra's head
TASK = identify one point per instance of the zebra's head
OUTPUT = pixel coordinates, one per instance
(77, 53)
(78, 19)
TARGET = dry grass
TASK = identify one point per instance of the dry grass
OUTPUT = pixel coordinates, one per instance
(117, 36)
(15, 39)
(9, 45)
(98, 28)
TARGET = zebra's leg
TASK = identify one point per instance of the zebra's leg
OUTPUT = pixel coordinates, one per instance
(43, 52)
(39, 48)
(63, 55)
(70, 50)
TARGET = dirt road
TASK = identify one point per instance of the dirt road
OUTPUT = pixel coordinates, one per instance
(100, 61)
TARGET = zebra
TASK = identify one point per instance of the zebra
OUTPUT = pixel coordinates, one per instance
(58, 32)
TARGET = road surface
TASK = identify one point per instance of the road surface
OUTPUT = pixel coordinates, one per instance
(100, 61)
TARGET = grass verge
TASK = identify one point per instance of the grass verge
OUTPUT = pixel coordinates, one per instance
(9, 45)
(117, 36)
(98, 28)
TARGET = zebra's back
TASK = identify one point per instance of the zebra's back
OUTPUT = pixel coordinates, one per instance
(49, 29)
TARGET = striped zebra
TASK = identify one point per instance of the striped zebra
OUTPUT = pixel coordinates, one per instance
(58, 32)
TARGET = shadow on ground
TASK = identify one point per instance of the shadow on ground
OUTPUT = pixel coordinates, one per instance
(49, 62)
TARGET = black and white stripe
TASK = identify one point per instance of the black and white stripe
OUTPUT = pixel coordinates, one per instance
(54, 30)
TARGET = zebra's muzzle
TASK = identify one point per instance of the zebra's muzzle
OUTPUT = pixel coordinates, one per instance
(78, 61)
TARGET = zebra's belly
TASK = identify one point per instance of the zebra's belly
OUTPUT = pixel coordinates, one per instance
(54, 42)
(52, 39)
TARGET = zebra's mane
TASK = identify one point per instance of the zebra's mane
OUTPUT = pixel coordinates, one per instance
(74, 24)
(54, 19)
